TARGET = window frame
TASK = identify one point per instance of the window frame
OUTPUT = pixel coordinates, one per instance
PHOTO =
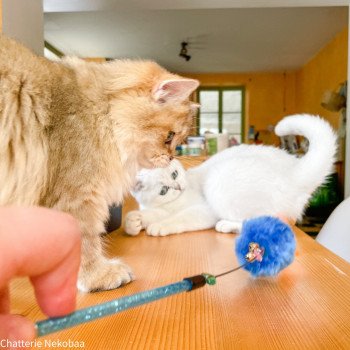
(221, 89)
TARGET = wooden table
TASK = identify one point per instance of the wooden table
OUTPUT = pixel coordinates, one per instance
(306, 307)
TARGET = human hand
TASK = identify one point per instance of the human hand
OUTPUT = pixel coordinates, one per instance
(44, 245)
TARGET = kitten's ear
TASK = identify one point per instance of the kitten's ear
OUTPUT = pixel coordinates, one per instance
(138, 186)
(174, 89)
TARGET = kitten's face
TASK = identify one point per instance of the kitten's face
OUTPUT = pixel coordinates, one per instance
(159, 186)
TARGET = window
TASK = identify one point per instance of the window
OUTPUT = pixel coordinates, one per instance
(221, 111)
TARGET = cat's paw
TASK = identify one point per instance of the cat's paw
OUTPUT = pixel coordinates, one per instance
(133, 222)
(157, 229)
(226, 226)
(104, 275)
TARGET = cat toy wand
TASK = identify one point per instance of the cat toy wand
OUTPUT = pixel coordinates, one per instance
(188, 284)
(258, 253)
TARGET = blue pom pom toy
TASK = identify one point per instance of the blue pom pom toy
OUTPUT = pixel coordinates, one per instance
(276, 239)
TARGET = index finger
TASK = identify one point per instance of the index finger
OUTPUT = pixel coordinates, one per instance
(43, 244)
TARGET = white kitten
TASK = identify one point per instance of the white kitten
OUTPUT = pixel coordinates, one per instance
(236, 184)
(171, 201)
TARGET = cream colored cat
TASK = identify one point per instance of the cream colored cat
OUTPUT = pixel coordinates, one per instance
(73, 135)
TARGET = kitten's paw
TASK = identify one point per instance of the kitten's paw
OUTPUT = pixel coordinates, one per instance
(133, 222)
(227, 226)
(106, 275)
(157, 229)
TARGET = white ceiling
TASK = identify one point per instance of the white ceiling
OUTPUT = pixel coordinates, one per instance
(105, 5)
(224, 39)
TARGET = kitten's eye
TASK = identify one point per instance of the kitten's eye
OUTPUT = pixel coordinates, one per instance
(164, 190)
(170, 137)
(174, 174)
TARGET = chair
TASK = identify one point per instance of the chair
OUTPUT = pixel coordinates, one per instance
(335, 233)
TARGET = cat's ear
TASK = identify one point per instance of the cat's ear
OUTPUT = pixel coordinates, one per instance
(174, 89)
(194, 107)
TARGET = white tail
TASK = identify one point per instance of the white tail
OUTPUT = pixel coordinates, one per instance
(318, 161)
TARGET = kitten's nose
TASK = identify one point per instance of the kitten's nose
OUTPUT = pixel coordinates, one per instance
(171, 157)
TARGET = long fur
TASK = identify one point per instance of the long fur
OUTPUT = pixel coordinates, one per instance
(320, 156)
(74, 134)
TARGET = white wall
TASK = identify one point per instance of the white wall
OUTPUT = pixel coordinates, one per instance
(347, 139)
(24, 20)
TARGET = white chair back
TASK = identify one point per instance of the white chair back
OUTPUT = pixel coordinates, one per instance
(335, 233)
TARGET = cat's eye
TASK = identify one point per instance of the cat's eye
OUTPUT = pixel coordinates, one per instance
(174, 174)
(164, 190)
(170, 137)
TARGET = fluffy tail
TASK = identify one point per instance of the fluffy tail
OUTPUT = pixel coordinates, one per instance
(318, 161)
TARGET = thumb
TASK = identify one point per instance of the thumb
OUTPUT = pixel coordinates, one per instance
(15, 328)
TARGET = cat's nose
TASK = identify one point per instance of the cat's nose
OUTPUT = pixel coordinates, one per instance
(171, 158)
